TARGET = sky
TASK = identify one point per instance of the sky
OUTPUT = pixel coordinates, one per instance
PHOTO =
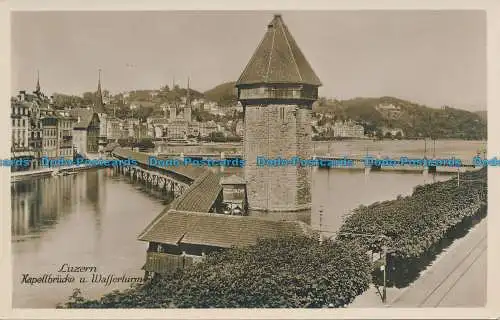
(430, 57)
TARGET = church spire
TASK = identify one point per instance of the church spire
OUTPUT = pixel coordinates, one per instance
(37, 81)
(188, 95)
(99, 104)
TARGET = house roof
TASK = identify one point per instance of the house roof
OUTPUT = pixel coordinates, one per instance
(218, 230)
(85, 115)
(278, 59)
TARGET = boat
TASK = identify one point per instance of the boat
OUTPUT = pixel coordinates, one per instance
(68, 173)
(182, 142)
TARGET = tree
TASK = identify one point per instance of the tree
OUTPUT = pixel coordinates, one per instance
(289, 272)
(144, 112)
(145, 143)
(88, 98)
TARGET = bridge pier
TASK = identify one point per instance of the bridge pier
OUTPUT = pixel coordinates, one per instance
(154, 179)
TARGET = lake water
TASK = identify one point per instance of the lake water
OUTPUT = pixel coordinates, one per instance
(93, 218)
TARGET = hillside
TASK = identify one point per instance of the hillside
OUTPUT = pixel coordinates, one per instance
(415, 120)
(483, 114)
(224, 94)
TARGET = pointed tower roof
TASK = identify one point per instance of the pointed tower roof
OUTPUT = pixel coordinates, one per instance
(278, 59)
(37, 89)
(99, 104)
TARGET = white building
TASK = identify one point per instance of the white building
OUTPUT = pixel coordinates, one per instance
(347, 130)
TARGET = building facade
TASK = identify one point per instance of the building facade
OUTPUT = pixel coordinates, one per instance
(86, 131)
(277, 89)
(114, 129)
(20, 142)
(65, 137)
(49, 137)
(348, 130)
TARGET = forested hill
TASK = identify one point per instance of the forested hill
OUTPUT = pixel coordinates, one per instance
(483, 114)
(415, 120)
(224, 94)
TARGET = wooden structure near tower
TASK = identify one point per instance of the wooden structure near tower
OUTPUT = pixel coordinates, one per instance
(277, 89)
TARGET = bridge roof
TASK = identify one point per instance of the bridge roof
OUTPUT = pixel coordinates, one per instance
(278, 59)
(201, 195)
(188, 171)
(217, 230)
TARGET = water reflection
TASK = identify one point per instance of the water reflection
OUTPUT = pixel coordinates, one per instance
(94, 217)
(91, 218)
(38, 204)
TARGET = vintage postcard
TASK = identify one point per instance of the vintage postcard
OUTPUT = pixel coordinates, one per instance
(179, 159)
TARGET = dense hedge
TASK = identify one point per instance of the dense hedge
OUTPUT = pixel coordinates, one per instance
(418, 227)
(292, 272)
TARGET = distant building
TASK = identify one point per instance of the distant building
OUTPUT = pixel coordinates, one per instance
(114, 129)
(206, 128)
(389, 110)
(158, 132)
(86, 130)
(49, 137)
(101, 113)
(194, 129)
(348, 130)
(65, 137)
(393, 132)
(187, 113)
(140, 131)
(20, 116)
(128, 126)
(177, 129)
(172, 110)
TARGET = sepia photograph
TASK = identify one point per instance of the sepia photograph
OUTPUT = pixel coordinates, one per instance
(249, 159)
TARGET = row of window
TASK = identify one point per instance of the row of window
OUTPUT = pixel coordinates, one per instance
(36, 135)
(50, 143)
(20, 111)
(66, 152)
(20, 143)
(19, 122)
(50, 132)
(264, 92)
(18, 133)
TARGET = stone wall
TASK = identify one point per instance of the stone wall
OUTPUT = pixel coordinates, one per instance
(274, 131)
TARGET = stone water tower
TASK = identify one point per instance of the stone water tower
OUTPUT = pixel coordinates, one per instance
(277, 89)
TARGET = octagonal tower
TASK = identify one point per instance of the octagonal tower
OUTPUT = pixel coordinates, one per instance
(277, 89)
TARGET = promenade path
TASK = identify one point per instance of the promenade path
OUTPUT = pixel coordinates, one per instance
(457, 278)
